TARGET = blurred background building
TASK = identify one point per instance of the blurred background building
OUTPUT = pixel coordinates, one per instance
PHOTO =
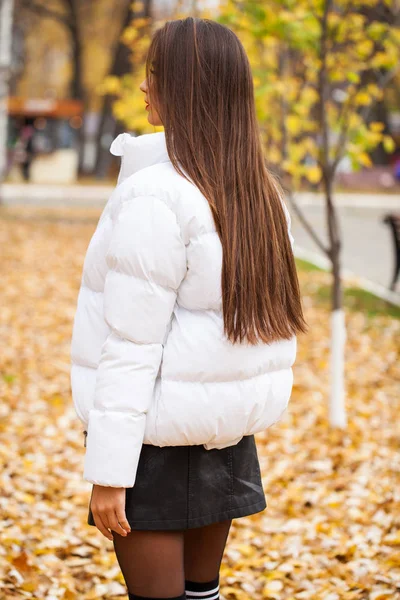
(60, 124)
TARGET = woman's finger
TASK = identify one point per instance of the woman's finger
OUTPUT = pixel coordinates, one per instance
(101, 526)
(121, 517)
(115, 525)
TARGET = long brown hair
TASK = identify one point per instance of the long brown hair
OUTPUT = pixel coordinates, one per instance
(200, 72)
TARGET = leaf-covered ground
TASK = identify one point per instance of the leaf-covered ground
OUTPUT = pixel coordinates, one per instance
(331, 528)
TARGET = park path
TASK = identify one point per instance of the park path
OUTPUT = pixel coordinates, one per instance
(367, 247)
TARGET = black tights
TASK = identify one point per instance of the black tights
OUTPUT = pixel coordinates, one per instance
(155, 564)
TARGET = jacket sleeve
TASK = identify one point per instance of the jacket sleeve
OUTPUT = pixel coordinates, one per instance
(146, 263)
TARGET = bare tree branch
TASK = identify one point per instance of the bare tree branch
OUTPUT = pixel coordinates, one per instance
(307, 226)
(326, 166)
(323, 91)
(283, 65)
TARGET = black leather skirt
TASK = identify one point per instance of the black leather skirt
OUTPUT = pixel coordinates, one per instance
(180, 487)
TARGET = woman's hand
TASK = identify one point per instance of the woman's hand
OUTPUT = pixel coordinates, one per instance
(108, 507)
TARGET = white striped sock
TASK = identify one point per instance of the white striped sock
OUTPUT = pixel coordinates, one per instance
(211, 594)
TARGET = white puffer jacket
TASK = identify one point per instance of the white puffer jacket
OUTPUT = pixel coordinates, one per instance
(150, 362)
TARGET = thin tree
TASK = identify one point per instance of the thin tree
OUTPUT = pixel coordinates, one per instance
(69, 15)
(6, 20)
(121, 65)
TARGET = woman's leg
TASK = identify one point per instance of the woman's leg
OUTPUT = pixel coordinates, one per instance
(203, 551)
(152, 563)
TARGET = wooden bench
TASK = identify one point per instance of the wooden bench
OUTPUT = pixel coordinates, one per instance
(393, 220)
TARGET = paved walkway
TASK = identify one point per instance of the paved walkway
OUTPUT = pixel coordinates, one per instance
(13, 194)
(97, 195)
(367, 242)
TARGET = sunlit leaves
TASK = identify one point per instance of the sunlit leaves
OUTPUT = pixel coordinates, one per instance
(129, 99)
(388, 143)
(283, 42)
(110, 85)
(314, 174)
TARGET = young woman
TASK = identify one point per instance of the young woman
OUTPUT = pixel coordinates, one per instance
(185, 332)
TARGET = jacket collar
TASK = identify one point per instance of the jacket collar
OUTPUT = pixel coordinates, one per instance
(138, 152)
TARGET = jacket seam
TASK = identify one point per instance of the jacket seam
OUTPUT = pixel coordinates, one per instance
(166, 380)
(149, 195)
(198, 235)
(86, 365)
(108, 410)
(134, 195)
(91, 289)
(163, 285)
(226, 380)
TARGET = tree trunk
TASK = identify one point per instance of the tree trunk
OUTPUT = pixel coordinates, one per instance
(380, 113)
(337, 410)
(69, 20)
(108, 124)
(121, 65)
(77, 90)
(6, 18)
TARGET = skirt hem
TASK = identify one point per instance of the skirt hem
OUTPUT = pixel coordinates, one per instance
(193, 522)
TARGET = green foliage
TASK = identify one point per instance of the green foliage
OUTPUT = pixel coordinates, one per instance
(359, 300)
(129, 105)
(354, 298)
(300, 63)
(304, 265)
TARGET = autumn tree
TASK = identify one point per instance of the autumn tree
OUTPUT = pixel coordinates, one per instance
(128, 106)
(319, 68)
(123, 89)
(90, 27)
(69, 14)
(126, 57)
